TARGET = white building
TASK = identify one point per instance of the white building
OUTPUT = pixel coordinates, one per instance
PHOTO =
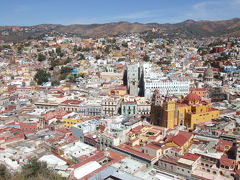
(111, 105)
(172, 87)
(91, 109)
(79, 130)
(148, 78)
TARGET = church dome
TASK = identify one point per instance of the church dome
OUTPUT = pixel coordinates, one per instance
(193, 97)
(208, 71)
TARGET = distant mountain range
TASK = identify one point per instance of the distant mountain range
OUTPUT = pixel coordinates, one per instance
(186, 29)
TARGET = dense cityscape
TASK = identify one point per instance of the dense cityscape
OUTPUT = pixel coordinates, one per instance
(129, 106)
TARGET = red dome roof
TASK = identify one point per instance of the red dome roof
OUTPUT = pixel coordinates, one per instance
(193, 97)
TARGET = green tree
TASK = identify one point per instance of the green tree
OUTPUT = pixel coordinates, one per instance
(111, 40)
(146, 58)
(85, 49)
(6, 47)
(162, 46)
(58, 51)
(121, 59)
(170, 41)
(98, 57)
(4, 173)
(55, 83)
(148, 40)
(75, 48)
(65, 70)
(224, 56)
(20, 48)
(41, 57)
(115, 47)
(217, 76)
(33, 170)
(124, 44)
(81, 56)
(73, 78)
(107, 50)
(42, 76)
(68, 60)
(164, 63)
(61, 54)
(54, 62)
(169, 50)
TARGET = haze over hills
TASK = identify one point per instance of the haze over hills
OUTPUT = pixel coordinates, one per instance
(186, 29)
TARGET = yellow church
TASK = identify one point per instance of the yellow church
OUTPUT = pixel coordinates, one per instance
(189, 111)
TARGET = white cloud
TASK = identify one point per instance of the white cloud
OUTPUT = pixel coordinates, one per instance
(214, 10)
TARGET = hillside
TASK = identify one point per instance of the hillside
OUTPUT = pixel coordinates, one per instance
(186, 29)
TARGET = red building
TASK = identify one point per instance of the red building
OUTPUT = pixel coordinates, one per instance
(218, 49)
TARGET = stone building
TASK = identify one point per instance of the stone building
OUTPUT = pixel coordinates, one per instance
(133, 79)
(208, 74)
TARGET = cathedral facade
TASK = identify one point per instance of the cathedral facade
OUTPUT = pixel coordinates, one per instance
(169, 113)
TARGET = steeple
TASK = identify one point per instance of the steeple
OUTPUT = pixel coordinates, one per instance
(156, 98)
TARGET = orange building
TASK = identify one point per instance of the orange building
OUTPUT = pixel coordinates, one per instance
(189, 111)
(199, 91)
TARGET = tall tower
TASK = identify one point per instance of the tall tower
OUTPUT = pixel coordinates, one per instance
(133, 79)
(168, 119)
(156, 108)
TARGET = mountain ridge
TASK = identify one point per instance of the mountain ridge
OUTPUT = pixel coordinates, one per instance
(188, 28)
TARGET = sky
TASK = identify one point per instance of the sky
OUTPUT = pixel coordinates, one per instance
(33, 12)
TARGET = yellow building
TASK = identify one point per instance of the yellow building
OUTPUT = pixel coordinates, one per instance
(181, 141)
(69, 122)
(119, 90)
(191, 110)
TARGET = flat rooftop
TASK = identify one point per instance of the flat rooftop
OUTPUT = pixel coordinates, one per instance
(129, 165)
(77, 149)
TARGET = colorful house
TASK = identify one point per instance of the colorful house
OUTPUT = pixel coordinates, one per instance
(182, 140)
(188, 112)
